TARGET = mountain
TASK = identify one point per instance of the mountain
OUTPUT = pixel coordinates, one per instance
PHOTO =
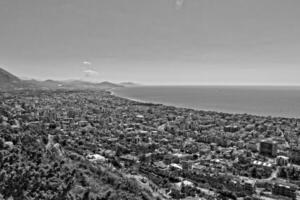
(74, 84)
(8, 77)
(9, 81)
(77, 84)
(129, 84)
(48, 84)
(108, 85)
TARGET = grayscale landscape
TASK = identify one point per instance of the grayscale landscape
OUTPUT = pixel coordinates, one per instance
(149, 100)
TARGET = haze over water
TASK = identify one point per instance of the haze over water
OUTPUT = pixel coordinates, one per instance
(258, 100)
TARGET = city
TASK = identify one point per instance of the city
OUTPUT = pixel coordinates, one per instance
(74, 144)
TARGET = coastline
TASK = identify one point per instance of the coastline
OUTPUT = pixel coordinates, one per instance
(131, 99)
(113, 93)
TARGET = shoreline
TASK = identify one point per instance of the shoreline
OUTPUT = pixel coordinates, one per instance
(201, 110)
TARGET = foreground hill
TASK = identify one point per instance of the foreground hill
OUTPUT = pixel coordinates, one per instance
(47, 158)
(9, 81)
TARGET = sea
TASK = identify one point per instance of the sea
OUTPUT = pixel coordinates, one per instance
(275, 101)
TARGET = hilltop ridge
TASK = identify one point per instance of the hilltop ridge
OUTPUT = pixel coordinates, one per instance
(9, 81)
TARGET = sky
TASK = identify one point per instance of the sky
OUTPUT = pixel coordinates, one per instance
(156, 42)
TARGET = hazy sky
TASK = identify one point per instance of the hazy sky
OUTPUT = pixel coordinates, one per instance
(153, 41)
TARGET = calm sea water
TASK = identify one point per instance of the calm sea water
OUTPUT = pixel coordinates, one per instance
(258, 100)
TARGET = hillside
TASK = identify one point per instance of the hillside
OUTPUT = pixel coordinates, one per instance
(9, 81)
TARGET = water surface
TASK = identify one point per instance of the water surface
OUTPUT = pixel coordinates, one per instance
(259, 100)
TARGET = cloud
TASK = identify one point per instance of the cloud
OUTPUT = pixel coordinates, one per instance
(86, 63)
(90, 72)
(179, 4)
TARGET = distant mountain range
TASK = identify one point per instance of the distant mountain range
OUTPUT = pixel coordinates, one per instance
(129, 84)
(9, 81)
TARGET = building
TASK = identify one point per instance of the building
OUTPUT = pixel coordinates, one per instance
(129, 159)
(231, 128)
(252, 146)
(186, 165)
(282, 160)
(268, 148)
(198, 169)
(283, 189)
(294, 155)
(249, 186)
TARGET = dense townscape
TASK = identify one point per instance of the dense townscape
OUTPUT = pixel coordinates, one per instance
(93, 145)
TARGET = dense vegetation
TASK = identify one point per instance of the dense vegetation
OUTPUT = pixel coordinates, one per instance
(32, 167)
